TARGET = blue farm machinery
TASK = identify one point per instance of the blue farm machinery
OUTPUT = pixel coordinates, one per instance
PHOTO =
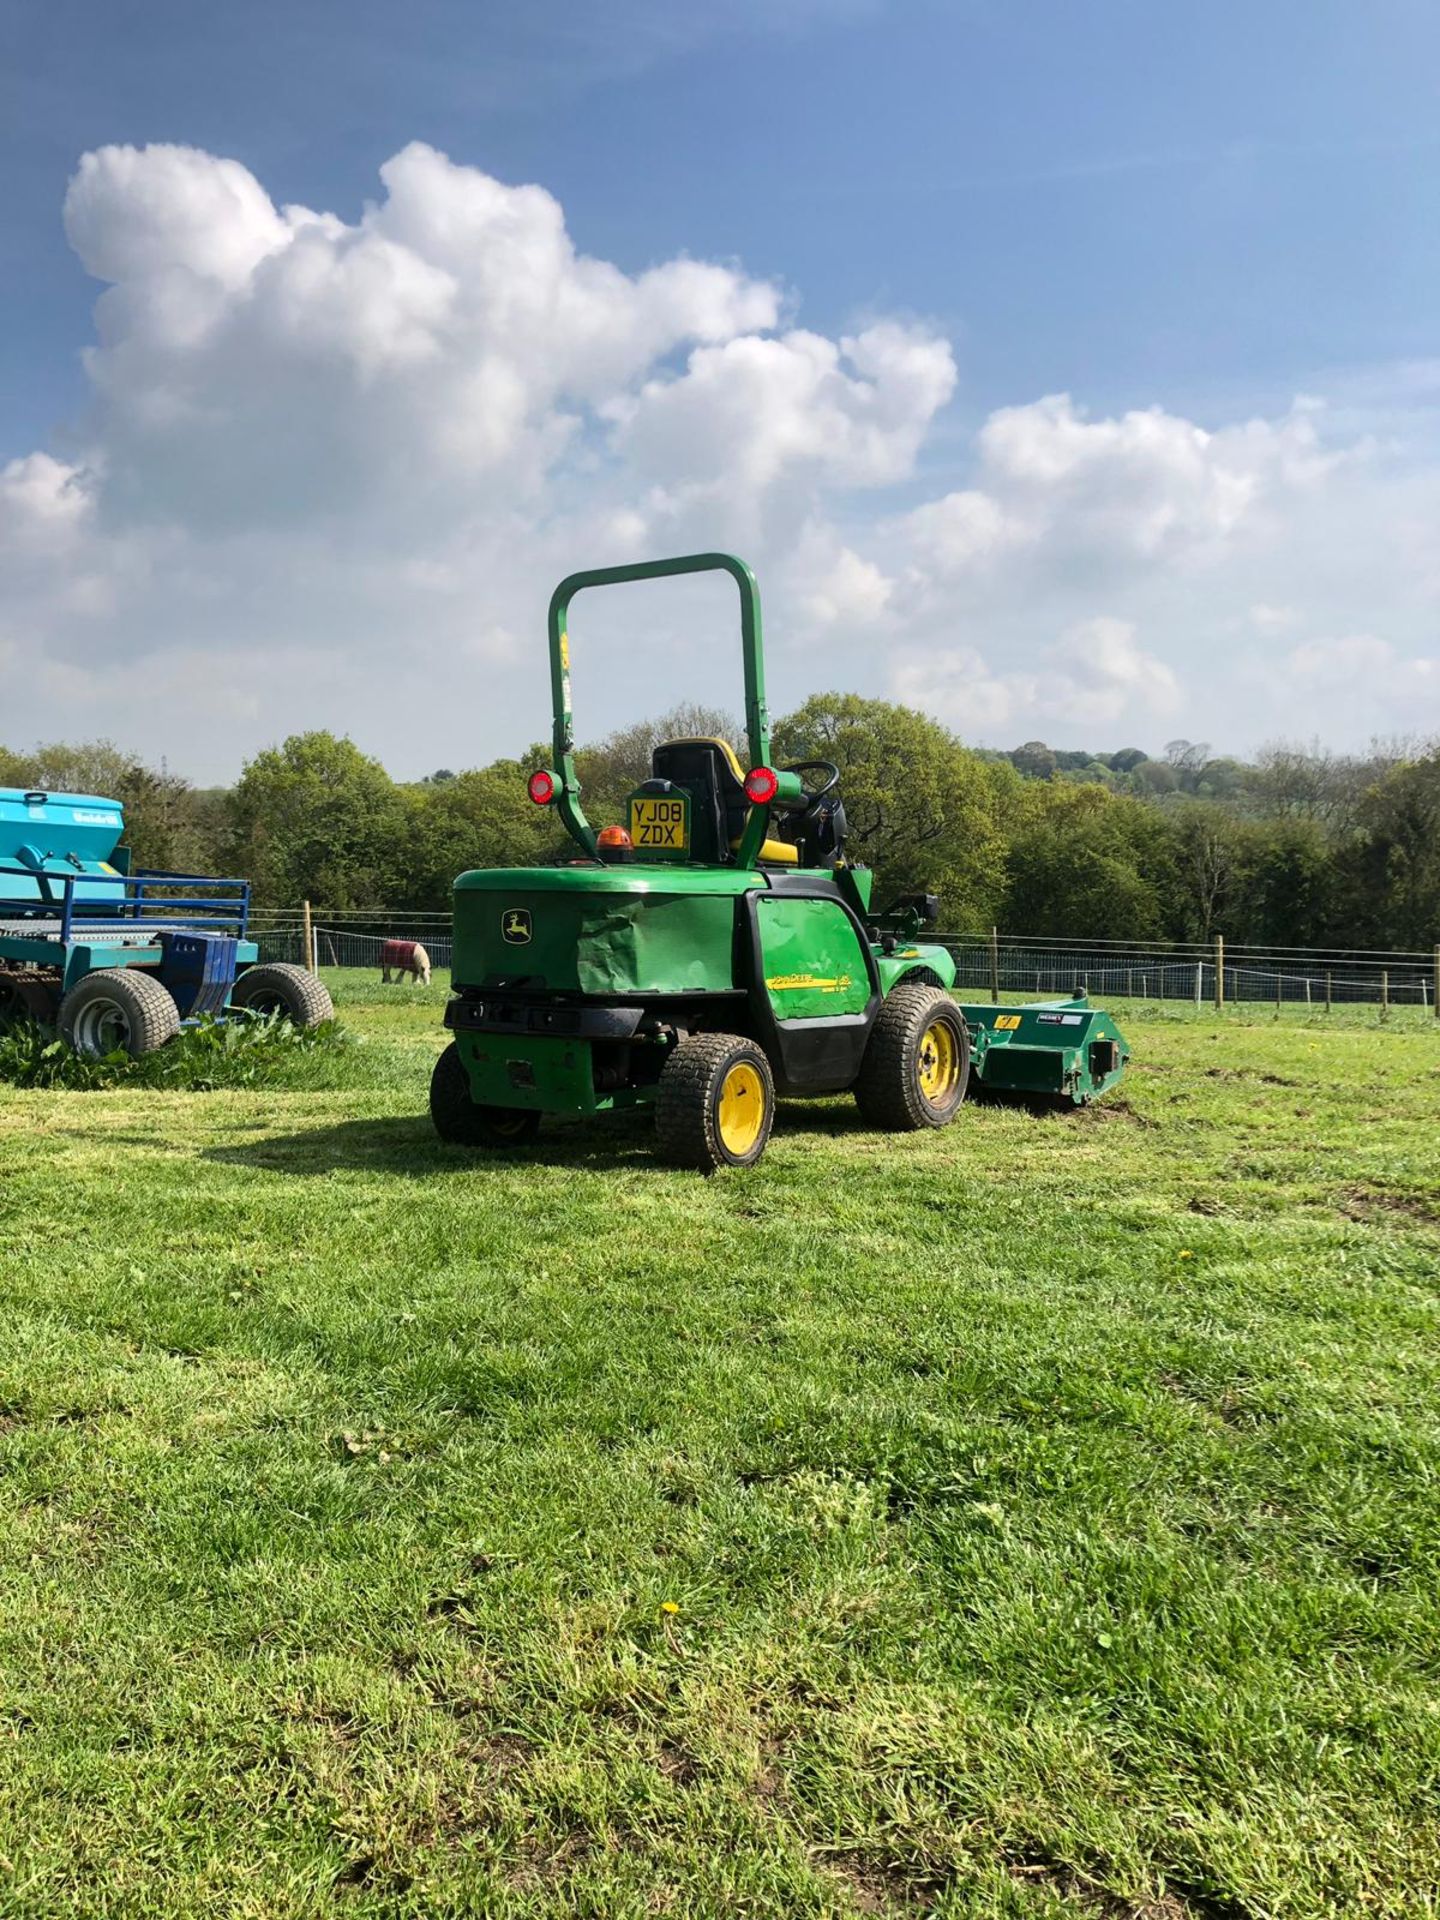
(122, 960)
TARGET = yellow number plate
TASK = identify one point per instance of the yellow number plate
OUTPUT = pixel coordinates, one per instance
(1006, 1022)
(660, 825)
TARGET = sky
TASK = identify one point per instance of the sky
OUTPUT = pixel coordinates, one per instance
(1069, 371)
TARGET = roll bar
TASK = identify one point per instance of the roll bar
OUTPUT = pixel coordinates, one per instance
(757, 718)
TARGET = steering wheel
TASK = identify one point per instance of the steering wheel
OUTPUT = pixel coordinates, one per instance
(812, 794)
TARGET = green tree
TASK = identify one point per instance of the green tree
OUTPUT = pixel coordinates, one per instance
(1213, 859)
(1294, 890)
(1394, 868)
(1034, 760)
(317, 819)
(924, 811)
(1154, 777)
(481, 818)
(1089, 863)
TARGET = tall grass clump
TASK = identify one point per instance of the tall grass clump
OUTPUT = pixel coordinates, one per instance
(258, 1051)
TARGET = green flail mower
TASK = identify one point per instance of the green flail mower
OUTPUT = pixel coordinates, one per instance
(719, 950)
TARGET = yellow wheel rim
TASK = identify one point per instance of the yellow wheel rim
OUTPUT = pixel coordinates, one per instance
(741, 1113)
(939, 1063)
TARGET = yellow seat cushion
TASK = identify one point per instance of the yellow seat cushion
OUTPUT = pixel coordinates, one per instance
(775, 853)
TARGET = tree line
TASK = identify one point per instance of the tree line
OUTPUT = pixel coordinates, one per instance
(1299, 848)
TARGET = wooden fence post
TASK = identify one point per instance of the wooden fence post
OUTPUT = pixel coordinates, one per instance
(1384, 993)
(307, 936)
(1219, 973)
(995, 963)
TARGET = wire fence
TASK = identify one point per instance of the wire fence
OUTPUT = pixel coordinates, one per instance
(348, 947)
(1204, 974)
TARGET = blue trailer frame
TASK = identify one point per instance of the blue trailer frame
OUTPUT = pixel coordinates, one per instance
(117, 959)
(188, 928)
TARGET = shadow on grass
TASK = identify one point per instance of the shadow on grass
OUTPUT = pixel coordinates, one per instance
(409, 1148)
(841, 1118)
(830, 1116)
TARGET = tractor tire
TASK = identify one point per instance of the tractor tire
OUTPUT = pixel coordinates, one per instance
(715, 1104)
(916, 1068)
(117, 1007)
(460, 1123)
(281, 988)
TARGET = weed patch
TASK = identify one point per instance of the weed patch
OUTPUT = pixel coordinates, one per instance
(258, 1051)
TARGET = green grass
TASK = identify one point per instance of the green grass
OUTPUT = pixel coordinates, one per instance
(1033, 1519)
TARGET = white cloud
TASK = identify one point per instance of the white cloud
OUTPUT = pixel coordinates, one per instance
(138, 215)
(1268, 619)
(331, 469)
(1362, 664)
(762, 412)
(1342, 662)
(1094, 677)
(43, 502)
(962, 531)
(1102, 676)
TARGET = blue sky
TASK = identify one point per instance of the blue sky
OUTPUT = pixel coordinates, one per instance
(1205, 209)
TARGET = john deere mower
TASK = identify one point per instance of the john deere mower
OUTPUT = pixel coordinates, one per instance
(716, 950)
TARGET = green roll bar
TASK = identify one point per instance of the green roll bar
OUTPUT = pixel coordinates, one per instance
(757, 718)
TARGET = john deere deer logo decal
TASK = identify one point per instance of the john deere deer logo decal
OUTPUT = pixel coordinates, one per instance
(515, 925)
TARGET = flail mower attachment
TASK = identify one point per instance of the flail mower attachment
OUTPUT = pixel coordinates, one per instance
(1064, 1051)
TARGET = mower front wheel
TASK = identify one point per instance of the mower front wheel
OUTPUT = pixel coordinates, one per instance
(916, 1068)
(460, 1123)
(716, 1103)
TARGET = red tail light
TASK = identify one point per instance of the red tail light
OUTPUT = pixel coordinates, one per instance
(761, 786)
(541, 787)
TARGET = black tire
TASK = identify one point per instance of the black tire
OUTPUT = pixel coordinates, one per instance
(701, 1072)
(117, 1007)
(281, 988)
(897, 1088)
(460, 1123)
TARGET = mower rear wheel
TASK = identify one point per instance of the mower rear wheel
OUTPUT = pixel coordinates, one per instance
(280, 987)
(117, 1009)
(716, 1103)
(917, 1062)
(460, 1123)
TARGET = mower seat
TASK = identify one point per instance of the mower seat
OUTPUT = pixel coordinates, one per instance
(711, 774)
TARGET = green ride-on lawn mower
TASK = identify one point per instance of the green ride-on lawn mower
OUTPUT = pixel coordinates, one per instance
(717, 950)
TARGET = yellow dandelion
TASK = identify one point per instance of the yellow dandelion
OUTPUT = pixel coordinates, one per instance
(669, 1606)
(1186, 1254)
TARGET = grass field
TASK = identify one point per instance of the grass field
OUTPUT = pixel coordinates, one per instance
(1038, 1518)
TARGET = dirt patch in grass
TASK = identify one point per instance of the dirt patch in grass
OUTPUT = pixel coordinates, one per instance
(1110, 1110)
(1369, 1203)
(881, 1886)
